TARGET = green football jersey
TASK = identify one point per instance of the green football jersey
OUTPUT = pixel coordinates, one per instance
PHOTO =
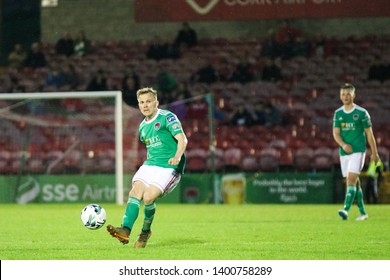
(158, 136)
(352, 125)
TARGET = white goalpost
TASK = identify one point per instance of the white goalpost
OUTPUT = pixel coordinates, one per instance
(36, 118)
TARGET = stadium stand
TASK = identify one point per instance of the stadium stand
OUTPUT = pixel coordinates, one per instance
(305, 97)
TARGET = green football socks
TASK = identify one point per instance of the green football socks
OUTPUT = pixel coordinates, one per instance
(349, 197)
(360, 201)
(131, 213)
(149, 211)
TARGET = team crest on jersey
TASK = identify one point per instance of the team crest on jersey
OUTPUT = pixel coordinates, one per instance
(157, 126)
(171, 118)
(356, 117)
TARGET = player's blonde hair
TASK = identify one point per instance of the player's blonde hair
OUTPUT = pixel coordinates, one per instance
(147, 90)
(348, 86)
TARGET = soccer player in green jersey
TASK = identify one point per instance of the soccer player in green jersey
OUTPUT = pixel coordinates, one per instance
(352, 129)
(165, 141)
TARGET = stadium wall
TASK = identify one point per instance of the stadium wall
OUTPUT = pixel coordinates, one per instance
(114, 20)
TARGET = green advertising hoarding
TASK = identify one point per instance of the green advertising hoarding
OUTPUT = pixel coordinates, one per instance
(65, 189)
(193, 188)
(289, 188)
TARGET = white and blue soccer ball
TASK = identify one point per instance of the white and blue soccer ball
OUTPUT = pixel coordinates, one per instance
(93, 216)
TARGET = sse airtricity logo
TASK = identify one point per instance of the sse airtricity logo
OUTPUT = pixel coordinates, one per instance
(202, 10)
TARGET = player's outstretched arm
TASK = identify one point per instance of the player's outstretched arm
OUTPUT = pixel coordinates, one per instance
(181, 147)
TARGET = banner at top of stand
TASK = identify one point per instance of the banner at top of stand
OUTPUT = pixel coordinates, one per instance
(229, 10)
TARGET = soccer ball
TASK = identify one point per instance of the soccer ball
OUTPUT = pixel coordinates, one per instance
(93, 216)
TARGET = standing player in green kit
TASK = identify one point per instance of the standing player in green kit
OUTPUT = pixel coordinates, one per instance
(165, 141)
(352, 129)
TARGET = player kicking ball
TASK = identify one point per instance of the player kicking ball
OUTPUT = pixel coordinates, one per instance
(352, 129)
(165, 140)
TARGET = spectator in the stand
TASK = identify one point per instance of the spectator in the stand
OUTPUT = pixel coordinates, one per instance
(186, 37)
(113, 84)
(130, 72)
(206, 74)
(260, 113)
(17, 57)
(271, 72)
(81, 44)
(182, 89)
(129, 91)
(65, 45)
(286, 32)
(242, 116)
(243, 72)
(224, 68)
(54, 75)
(301, 47)
(35, 58)
(160, 49)
(379, 71)
(165, 81)
(272, 115)
(71, 77)
(287, 48)
(98, 82)
(270, 46)
(319, 46)
(15, 86)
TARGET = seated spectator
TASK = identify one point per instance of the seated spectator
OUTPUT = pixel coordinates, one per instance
(71, 77)
(186, 37)
(320, 46)
(81, 44)
(65, 45)
(113, 84)
(286, 32)
(243, 72)
(129, 91)
(287, 48)
(206, 74)
(272, 115)
(301, 47)
(130, 73)
(379, 71)
(165, 81)
(182, 88)
(98, 82)
(54, 75)
(271, 72)
(15, 86)
(260, 113)
(242, 116)
(160, 49)
(17, 57)
(270, 47)
(35, 57)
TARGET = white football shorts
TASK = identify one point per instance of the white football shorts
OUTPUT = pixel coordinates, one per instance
(166, 179)
(352, 163)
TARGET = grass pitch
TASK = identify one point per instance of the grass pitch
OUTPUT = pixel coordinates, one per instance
(198, 232)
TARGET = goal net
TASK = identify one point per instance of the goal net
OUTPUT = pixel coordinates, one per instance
(80, 135)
